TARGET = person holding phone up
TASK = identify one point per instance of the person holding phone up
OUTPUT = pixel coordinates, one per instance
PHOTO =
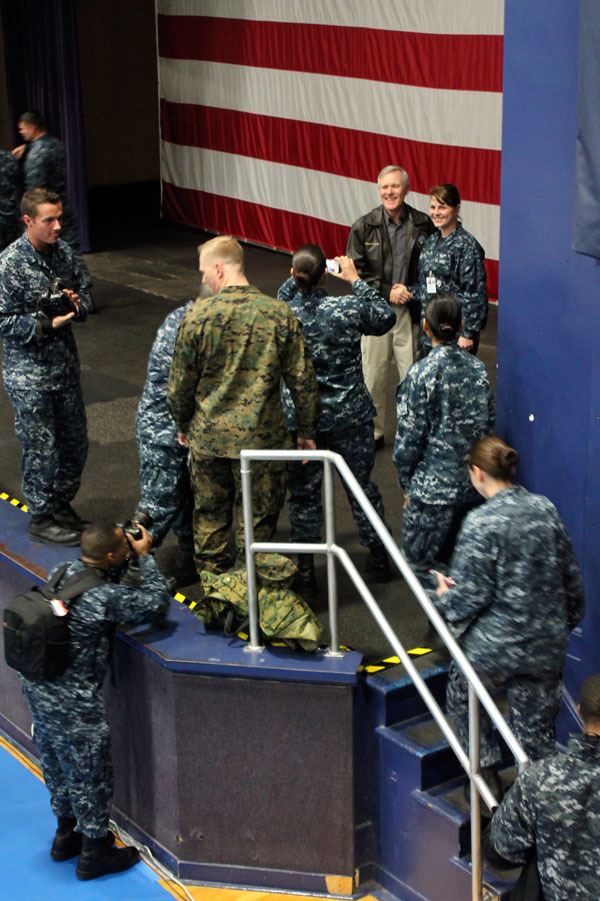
(332, 329)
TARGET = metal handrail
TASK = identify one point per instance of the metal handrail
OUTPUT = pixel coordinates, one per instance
(477, 691)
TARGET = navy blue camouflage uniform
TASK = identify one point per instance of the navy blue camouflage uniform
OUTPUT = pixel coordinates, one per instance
(42, 373)
(44, 166)
(70, 727)
(9, 209)
(457, 263)
(444, 406)
(332, 328)
(166, 492)
(554, 807)
(518, 594)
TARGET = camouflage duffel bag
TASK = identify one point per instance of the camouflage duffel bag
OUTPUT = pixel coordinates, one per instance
(283, 614)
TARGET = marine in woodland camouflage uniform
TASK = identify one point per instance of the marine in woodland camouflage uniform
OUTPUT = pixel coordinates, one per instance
(9, 208)
(554, 809)
(443, 406)
(332, 329)
(164, 477)
(231, 353)
(41, 368)
(517, 596)
(457, 264)
(70, 728)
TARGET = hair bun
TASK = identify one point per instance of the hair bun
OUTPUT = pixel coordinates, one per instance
(509, 457)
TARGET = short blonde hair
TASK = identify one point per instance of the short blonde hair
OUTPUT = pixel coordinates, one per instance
(225, 248)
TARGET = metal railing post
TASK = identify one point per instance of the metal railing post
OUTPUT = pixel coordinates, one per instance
(254, 643)
(334, 647)
(476, 877)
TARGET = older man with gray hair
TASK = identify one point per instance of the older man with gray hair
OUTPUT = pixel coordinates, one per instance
(385, 245)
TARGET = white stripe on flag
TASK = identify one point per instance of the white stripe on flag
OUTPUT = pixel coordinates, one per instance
(459, 118)
(430, 17)
(332, 198)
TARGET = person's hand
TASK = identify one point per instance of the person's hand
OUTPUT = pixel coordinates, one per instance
(59, 321)
(466, 343)
(399, 294)
(406, 501)
(73, 297)
(142, 546)
(182, 439)
(18, 152)
(444, 583)
(347, 271)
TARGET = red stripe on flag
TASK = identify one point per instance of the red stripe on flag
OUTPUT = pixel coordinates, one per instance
(325, 148)
(259, 224)
(452, 61)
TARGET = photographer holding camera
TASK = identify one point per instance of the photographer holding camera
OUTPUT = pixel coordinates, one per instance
(44, 286)
(70, 727)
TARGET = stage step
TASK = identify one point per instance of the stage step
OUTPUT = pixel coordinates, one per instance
(393, 696)
(423, 816)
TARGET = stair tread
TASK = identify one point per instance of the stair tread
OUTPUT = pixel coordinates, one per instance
(421, 733)
(397, 679)
(427, 733)
(492, 875)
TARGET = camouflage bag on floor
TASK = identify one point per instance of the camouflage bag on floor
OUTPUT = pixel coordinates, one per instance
(283, 614)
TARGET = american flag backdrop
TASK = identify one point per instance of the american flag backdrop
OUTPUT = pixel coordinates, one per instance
(277, 115)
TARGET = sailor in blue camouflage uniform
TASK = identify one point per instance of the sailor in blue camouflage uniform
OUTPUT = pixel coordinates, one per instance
(452, 261)
(41, 366)
(9, 207)
(71, 731)
(443, 406)
(332, 329)
(44, 165)
(166, 493)
(553, 810)
(517, 595)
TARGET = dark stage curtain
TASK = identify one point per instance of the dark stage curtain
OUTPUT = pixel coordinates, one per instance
(42, 73)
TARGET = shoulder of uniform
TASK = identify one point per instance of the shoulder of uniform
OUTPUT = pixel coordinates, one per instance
(177, 314)
(373, 217)
(467, 237)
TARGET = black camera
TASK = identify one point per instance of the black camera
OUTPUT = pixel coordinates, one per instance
(55, 302)
(132, 526)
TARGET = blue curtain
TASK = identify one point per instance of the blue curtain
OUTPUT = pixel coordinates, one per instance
(42, 73)
(586, 225)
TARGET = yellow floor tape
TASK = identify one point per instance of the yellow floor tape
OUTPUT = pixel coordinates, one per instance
(199, 893)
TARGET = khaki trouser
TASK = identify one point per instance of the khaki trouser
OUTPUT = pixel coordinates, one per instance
(398, 346)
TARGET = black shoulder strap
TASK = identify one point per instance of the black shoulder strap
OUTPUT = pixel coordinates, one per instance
(79, 582)
(54, 581)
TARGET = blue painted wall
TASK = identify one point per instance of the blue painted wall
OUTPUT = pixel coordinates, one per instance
(549, 313)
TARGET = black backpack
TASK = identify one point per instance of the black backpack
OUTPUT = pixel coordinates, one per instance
(36, 624)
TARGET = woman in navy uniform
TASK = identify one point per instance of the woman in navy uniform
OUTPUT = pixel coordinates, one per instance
(332, 328)
(444, 405)
(515, 596)
(452, 261)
